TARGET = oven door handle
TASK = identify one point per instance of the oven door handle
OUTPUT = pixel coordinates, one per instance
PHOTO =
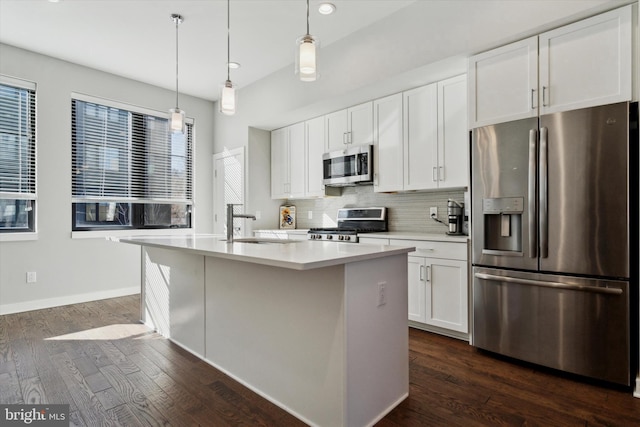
(544, 284)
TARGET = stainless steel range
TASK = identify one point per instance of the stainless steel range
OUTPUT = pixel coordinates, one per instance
(351, 222)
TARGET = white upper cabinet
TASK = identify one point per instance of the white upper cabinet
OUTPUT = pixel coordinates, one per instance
(453, 134)
(421, 138)
(315, 146)
(503, 83)
(288, 162)
(587, 63)
(388, 156)
(280, 163)
(580, 65)
(296, 160)
(351, 126)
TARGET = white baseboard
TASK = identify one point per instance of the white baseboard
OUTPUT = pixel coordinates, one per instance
(636, 392)
(66, 300)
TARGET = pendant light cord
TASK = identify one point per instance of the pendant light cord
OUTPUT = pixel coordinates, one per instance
(307, 17)
(228, 42)
(177, 20)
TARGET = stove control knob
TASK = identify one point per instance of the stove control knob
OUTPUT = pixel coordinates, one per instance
(347, 237)
(341, 237)
(329, 237)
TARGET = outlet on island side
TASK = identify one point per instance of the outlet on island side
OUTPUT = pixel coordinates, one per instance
(31, 277)
(382, 294)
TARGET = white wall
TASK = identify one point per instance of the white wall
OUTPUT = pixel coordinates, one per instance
(73, 270)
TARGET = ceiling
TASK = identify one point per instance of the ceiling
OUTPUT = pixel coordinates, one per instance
(136, 38)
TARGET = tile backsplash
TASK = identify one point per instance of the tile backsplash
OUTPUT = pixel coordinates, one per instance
(406, 211)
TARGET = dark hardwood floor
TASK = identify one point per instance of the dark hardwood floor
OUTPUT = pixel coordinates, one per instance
(112, 371)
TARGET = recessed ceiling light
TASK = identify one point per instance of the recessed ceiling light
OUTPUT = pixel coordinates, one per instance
(233, 65)
(326, 8)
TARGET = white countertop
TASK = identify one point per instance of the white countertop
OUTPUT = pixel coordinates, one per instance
(297, 255)
(403, 235)
(409, 235)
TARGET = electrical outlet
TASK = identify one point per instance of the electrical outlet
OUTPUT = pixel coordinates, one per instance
(382, 294)
(433, 211)
(31, 277)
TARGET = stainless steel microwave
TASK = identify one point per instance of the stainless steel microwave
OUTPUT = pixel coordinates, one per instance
(350, 166)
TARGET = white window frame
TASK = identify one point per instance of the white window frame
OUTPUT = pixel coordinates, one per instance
(83, 234)
(25, 235)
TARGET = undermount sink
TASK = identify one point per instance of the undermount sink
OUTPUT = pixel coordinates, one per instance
(261, 240)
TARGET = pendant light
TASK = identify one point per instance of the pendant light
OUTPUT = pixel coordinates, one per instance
(177, 121)
(307, 55)
(228, 90)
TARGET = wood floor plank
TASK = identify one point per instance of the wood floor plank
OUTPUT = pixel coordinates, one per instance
(85, 400)
(33, 391)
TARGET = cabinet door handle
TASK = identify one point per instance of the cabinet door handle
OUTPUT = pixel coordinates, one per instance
(441, 173)
(544, 96)
(434, 174)
(349, 137)
(344, 138)
(428, 273)
(422, 273)
(533, 91)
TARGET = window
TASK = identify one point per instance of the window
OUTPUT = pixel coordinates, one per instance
(17, 155)
(128, 172)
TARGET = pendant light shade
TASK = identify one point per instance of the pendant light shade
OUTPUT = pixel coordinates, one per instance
(307, 48)
(228, 98)
(176, 115)
(228, 90)
(177, 123)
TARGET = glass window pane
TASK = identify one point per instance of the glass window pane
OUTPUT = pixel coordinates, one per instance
(16, 215)
(103, 215)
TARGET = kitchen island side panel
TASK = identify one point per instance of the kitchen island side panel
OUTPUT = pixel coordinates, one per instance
(281, 333)
(173, 289)
(377, 371)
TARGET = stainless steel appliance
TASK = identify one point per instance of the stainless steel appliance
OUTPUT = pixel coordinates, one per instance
(350, 166)
(351, 222)
(551, 242)
(455, 212)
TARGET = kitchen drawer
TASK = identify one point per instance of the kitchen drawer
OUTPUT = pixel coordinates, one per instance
(433, 249)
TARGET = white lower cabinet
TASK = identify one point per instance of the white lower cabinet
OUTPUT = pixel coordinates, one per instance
(438, 286)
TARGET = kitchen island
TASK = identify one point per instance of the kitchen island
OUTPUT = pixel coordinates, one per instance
(318, 328)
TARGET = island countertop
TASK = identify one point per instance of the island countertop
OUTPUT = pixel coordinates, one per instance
(296, 254)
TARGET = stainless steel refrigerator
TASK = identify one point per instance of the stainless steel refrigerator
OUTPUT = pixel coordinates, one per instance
(552, 240)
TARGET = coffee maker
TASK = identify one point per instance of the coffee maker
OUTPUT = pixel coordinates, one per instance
(455, 212)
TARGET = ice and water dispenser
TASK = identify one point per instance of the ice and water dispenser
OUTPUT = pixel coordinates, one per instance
(503, 225)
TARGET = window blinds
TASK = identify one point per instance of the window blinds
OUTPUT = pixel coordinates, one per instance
(126, 156)
(17, 141)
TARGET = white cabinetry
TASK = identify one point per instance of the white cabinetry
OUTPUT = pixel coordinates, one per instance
(584, 64)
(315, 147)
(438, 286)
(388, 156)
(452, 166)
(421, 138)
(352, 125)
(288, 162)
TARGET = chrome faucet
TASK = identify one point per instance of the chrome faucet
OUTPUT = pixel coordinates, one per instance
(231, 216)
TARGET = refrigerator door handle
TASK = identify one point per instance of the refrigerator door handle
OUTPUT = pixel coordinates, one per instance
(533, 151)
(556, 285)
(544, 212)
